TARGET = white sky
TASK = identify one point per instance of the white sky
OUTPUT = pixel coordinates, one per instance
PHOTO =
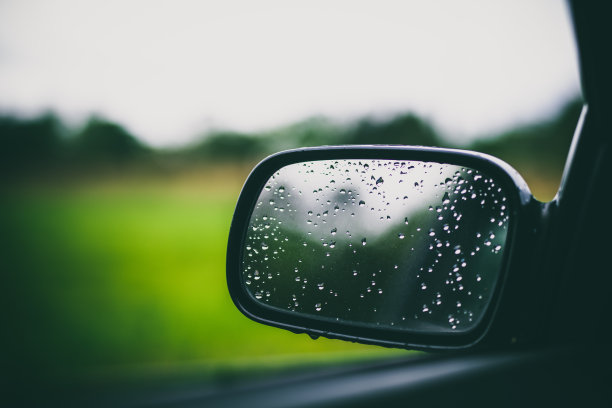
(169, 69)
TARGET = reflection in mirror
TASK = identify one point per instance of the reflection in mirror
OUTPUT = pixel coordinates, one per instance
(407, 245)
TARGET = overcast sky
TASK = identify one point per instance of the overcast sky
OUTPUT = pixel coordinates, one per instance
(170, 69)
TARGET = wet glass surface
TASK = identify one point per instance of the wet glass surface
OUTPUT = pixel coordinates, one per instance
(410, 245)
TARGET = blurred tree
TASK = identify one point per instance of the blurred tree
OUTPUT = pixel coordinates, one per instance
(28, 145)
(101, 140)
(406, 129)
(314, 131)
(225, 145)
(540, 147)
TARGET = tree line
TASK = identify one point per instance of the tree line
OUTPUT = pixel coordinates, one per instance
(44, 143)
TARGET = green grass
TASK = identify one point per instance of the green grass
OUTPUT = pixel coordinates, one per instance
(131, 272)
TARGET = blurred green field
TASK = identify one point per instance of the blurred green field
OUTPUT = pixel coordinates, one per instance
(116, 273)
(112, 253)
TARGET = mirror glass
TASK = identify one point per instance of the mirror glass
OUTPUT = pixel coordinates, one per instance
(408, 245)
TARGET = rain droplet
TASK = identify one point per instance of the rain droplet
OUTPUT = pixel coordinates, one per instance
(401, 236)
(363, 241)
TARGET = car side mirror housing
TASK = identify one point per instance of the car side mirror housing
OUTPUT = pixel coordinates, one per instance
(397, 246)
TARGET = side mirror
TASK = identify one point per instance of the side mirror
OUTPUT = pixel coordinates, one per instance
(396, 246)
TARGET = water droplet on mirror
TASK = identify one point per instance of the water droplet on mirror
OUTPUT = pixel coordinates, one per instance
(445, 199)
(321, 286)
(401, 235)
(363, 241)
(334, 231)
(361, 203)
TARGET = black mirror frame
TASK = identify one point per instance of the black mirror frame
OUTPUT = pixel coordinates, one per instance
(518, 194)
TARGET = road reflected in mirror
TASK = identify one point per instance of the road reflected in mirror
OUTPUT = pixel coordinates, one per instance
(406, 245)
